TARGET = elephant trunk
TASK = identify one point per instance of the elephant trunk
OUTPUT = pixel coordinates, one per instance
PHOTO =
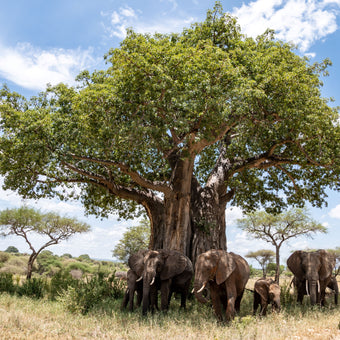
(148, 281)
(313, 290)
(198, 291)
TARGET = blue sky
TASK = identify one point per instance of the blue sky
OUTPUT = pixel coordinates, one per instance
(44, 41)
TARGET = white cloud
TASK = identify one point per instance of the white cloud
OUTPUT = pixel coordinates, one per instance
(126, 17)
(299, 21)
(33, 68)
(335, 212)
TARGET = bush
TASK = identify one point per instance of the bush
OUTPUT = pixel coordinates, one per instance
(3, 257)
(60, 282)
(6, 283)
(33, 288)
(91, 293)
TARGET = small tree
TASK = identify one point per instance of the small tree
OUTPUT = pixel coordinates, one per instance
(276, 229)
(12, 249)
(134, 239)
(24, 221)
(263, 257)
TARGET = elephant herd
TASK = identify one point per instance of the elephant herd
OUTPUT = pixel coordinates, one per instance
(224, 276)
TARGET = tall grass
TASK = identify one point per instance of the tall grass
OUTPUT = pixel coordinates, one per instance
(26, 318)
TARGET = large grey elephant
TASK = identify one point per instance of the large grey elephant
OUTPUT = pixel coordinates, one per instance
(312, 273)
(226, 275)
(166, 270)
(266, 291)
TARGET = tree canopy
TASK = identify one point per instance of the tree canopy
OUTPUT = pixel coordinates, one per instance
(134, 239)
(24, 221)
(179, 122)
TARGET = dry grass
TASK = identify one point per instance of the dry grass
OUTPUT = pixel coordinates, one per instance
(24, 318)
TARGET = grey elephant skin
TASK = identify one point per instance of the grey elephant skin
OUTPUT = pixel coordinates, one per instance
(169, 271)
(133, 285)
(225, 275)
(312, 274)
(266, 291)
(333, 285)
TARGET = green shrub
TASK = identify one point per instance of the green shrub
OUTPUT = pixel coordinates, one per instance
(33, 288)
(4, 257)
(91, 293)
(6, 283)
(60, 282)
(84, 267)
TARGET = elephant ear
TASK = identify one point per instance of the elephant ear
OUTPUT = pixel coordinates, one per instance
(327, 264)
(262, 288)
(174, 264)
(294, 264)
(136, 262)
(225, 266)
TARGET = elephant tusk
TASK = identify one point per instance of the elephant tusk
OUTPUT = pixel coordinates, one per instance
(307, 287)
(202, 288)
(318, 286)
(152, 282)
(193, 291)
(139, 279)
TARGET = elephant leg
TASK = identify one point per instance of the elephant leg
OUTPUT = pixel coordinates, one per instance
(183, 299)
(165, 285)
(256, 302)
(216, 301)
(125, 299)
(231, 296)
(238, 303)
(264, 305)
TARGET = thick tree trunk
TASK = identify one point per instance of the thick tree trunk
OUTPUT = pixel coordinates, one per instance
(191, 219)
(208, 223)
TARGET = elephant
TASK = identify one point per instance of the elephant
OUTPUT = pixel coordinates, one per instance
(166, 270)
(312, 273)
(333, 285)
(226, 275)
(266, 291)
(133, 285)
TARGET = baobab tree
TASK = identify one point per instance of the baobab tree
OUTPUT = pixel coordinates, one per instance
(178, 126)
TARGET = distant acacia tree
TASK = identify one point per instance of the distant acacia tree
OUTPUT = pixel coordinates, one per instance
(24, 221)
(263, 257)
(134, 239)
(12, 249)
(276, 229)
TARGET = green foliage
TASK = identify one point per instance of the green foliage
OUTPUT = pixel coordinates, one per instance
(33, 288)
(200, 94)
(255, 272)
(6, 283)
(91, 293)
(12, 249)
(60, 282)
(48, 263)
(3, 257)
(134, 239)
(84, 257)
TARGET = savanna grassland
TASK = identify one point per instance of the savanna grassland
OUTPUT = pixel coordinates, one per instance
(27, 318)
(56, 305)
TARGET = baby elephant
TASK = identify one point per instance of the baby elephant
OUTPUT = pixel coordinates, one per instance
(266, 291)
